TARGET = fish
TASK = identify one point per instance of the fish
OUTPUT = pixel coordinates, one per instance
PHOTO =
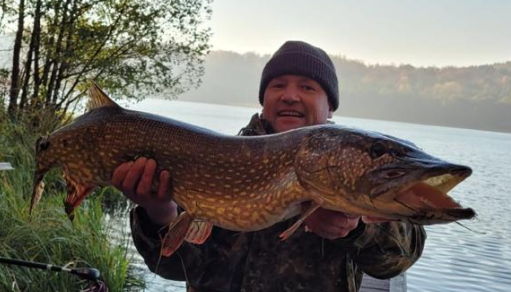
(250, 183)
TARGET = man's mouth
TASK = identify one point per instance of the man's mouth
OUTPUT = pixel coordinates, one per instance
(288, 113)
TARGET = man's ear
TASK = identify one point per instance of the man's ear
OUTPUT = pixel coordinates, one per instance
(330, 110)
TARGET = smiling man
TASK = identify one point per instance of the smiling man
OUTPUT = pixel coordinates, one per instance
(292, 102)
(298, 88)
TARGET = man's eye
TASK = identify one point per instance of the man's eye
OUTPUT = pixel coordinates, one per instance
(307, 87)
(278, 85)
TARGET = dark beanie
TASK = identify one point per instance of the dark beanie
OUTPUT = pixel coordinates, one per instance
(301, 58)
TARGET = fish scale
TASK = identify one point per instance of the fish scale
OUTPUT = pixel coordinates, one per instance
(250, 183)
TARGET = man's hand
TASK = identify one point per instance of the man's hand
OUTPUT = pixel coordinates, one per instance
(330, 224)
(135, 180)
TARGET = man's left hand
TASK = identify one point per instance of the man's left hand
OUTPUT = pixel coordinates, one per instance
(330, 224)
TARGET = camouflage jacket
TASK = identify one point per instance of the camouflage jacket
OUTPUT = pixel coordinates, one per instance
(259, 261)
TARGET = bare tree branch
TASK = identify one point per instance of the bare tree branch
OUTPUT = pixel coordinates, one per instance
(15, 78)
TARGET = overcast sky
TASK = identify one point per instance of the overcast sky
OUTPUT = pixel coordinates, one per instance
(416, 32)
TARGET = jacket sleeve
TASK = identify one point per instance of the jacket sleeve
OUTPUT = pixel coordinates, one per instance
(147, 237)
(384, 250)
(198, 265)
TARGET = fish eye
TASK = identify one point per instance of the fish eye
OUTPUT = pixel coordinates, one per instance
(42, 144)
(377, 149)
(399, 153)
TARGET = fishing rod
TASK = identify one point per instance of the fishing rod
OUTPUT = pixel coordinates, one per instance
(90, 274)
(84, 273)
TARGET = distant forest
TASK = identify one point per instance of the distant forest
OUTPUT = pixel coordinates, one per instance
(477, 97)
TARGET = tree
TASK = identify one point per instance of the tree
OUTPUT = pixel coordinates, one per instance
(133, 48)
(13, 95)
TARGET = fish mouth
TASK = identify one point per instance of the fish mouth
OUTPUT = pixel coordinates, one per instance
(427, 201)
(76, 193)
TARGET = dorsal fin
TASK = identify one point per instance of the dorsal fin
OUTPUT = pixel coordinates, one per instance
(98, 98)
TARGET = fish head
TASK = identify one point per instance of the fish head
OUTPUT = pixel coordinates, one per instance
(372, 174)
(62, 149)
(46, 158)
(73, 148)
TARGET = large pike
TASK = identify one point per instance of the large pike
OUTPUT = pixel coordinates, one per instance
(250, 183)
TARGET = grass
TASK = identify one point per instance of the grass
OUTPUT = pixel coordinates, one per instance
(48, 236)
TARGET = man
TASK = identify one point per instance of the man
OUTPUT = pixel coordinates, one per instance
(298, 88)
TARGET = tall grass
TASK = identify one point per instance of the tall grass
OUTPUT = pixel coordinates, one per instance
(48, 236)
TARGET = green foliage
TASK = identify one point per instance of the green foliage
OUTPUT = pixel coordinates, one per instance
(132, 48)
(48, 236)
(141, 47)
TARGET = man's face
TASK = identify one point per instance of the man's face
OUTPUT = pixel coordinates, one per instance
(292, 101)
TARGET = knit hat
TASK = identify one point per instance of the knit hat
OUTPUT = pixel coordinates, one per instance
(303, 59)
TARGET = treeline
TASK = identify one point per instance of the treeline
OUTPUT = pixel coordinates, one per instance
(447, 85)
(130, 47)
(472, 97)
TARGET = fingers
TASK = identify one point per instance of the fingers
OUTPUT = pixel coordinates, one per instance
(146, 178)
(132, 178)
(335, 220)
(120, 173)
(136, 178)
(164, 186)
(371, 219)
(330, 224)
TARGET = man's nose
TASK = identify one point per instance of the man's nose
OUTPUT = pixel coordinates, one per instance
(290, 95)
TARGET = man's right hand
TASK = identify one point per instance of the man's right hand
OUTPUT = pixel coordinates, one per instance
(135, 180)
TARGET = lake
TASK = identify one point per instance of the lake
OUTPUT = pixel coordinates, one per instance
(474, 256)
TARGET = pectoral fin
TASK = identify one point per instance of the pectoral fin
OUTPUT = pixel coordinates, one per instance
(288, 232)
(76, 193)
(177, 233)
(199, 231)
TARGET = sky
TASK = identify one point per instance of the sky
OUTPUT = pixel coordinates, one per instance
(416, 32)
